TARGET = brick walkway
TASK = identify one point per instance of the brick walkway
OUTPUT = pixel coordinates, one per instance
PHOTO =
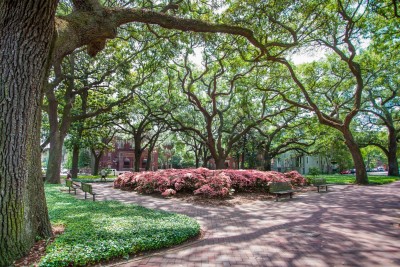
(348, 226)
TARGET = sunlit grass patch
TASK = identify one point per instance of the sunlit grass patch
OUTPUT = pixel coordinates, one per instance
(350, 179)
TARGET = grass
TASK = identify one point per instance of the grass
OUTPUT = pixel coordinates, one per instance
(350, 179)
(91, 178)
(100, 231)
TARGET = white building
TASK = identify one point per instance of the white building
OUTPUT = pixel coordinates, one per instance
(302, 163)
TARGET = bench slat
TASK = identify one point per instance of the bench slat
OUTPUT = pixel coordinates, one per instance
(281, 188)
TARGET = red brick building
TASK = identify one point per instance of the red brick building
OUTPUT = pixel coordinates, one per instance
(122, 157)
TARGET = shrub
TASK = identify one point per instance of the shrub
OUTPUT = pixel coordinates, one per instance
(150, 182)
(189, 181)
(295, 178)
(314, 171)
(202, 181)
(168, 192)
(217, 186)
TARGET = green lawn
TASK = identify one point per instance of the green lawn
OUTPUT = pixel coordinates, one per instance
(100, 231)
(91, 178)
(350, 178)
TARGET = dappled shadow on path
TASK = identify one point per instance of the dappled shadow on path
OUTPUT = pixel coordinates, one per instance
(350, 226)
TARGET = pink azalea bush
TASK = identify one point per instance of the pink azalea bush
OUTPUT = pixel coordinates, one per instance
(217, 185)
(202, 181)
(150, 182)
(296, 178)
(168, 192)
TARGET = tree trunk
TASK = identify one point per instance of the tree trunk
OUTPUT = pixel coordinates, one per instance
(267, 163)
(220, 163)
(392, 155)
(205, 157)
(148, 162)
(96, 164)
(55, 158)
(149, 159)
(138, 153)
(361, 172)
(26, 30)
(204, 165)
(242, 162)
(244, 150)
(75, 161)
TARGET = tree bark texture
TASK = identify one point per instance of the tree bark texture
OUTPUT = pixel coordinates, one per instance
(392, 155)
(26, 30)
(361, 172)
(55, 158)
(219, 163)
(138, 154)
(149, 157)
(96, 164)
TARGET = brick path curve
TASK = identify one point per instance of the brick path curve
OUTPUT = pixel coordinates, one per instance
(348, 226)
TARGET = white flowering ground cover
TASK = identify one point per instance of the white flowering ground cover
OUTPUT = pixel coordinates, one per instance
(104, 230)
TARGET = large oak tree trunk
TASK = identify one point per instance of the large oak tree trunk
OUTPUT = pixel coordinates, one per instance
(26, 30)
(96, 164)
(55, 158)
(220, 163)
(267, 162)
(149, 157)
(361, 172)
(392, 155)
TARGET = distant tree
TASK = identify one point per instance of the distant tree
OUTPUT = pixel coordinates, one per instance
(227, 109)
(382, 96)
(82, 89)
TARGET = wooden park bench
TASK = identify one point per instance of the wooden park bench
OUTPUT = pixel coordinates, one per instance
(281, 189)
(320, 183)
(70, 184)
(87, 188)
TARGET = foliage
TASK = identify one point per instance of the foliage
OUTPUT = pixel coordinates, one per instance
(84, 158)
(314, 171)
(99, 231)
(202, 181)
(295, 178)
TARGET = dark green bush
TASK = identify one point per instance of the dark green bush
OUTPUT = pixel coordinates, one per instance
(314, 171)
